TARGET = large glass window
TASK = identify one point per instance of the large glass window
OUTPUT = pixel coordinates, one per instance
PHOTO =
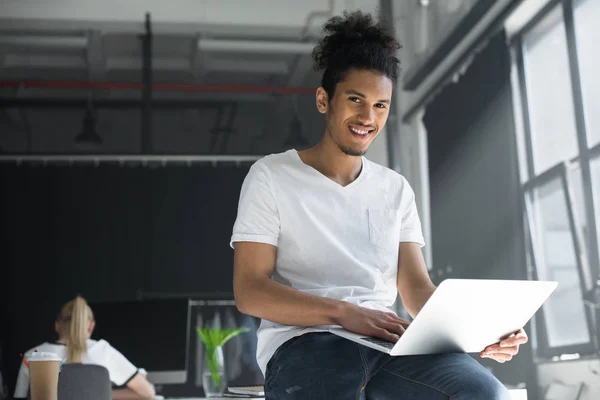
(549, 91)
(595, 170)
(556, 261)
(578, 198)
(587, 33)
(561, 173)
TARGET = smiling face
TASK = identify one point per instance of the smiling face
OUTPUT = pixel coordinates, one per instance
(358, 110)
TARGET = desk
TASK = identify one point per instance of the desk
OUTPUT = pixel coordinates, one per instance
(516, 394)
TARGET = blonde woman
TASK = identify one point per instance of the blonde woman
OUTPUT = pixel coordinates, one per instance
(74, 326)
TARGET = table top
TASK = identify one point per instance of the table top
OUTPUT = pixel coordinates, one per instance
(202, 398)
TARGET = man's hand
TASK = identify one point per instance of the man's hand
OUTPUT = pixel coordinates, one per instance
(364, 321)
(506, 349)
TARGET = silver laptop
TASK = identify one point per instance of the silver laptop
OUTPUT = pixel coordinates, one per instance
(465, 316)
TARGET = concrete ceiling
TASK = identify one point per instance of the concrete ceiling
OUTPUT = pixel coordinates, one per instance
(212, 42)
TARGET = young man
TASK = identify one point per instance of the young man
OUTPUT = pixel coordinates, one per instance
(325, 237)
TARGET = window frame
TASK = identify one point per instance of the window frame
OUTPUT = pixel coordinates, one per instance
(588, 262)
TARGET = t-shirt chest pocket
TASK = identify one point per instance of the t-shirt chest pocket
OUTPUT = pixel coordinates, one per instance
(384, 228)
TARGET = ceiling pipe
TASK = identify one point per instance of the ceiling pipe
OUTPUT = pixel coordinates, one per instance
(267, 46)
(60, 42)
(314, 14)
(254, 46)
(163, 87)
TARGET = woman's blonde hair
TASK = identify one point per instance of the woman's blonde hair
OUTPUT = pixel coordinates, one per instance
(74, 319)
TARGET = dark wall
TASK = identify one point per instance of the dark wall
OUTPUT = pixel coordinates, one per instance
(476, 208)
(109, 233)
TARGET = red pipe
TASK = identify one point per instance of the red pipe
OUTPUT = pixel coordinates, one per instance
(171, 87)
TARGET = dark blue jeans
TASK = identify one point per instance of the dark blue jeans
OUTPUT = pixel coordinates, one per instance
(323, 366)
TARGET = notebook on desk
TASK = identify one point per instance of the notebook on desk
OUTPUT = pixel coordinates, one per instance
(254, 391)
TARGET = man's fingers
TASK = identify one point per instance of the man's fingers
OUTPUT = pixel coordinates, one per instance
(393, 327)
(385, 335)
(396, 318)
(500, 357)
(514, 341)
(404, 323)
(522, 333)
(508, 350)
(400, 321)
(494, 350)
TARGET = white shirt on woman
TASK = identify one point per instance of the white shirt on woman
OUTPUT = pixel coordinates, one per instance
(333, 241)
(99, 352)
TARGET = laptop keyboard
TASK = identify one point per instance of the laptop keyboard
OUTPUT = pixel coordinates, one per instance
(380, 342)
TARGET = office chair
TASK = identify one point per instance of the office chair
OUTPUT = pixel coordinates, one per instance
(84, 381)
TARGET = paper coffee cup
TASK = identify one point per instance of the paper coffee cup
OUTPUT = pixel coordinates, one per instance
(43, 375)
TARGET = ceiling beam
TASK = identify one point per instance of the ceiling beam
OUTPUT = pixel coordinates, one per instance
(275, 67)
(255, 46)
(38, 41)
(232, 17)
(44, 61)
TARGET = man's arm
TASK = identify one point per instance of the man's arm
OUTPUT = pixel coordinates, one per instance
(414, 284)
(258, 295)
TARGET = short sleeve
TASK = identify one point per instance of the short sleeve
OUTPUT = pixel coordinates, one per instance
(410, 230)
(257, 217)
(120, 369)
(22, 386)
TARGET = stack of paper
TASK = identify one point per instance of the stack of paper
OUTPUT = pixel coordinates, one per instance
(245, 392)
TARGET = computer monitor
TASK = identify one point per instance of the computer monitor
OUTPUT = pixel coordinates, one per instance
(241, 367)
(152, 334)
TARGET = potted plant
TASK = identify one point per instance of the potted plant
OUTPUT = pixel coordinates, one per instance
(214, 339)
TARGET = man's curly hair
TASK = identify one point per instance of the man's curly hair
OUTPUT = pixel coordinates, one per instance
(354, 41)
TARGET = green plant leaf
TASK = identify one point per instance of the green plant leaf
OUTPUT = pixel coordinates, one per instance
(231, 334)
(214, 337)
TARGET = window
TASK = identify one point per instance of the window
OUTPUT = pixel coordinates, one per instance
(587, 19)
(557, 95)
(578, 198)
(595, 170)
(550, 96)
(556, 260)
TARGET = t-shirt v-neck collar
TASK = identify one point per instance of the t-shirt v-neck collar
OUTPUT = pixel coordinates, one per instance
(330, 181)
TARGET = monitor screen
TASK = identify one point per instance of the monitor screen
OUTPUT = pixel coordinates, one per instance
(152, 334)
(241, 368)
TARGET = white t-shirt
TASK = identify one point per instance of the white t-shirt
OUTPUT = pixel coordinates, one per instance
(120, 369)
(332, 241)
